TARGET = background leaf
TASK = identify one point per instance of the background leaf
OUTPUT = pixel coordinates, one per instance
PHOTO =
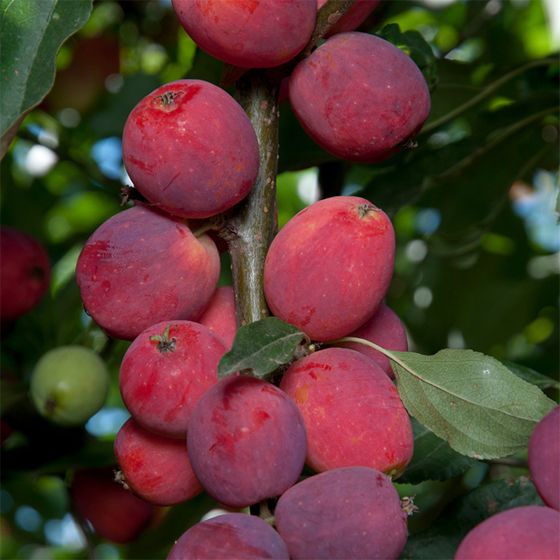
(31, 33)
(433, 459)
(262, 346)
(471, 400)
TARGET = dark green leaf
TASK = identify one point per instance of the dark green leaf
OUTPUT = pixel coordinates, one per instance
(471, 400)
(441, 540)
(262, 346)
(31, 33)
(532, 376)
(433, 459)
(413, 44)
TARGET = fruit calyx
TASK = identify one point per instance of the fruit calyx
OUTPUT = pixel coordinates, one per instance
(164, 342)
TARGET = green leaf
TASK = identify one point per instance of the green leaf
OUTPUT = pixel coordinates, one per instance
(470, 400)
(31, 34)
(413, 43)
(262, 346)
(442, 539)
(532, 376)
(433, 459)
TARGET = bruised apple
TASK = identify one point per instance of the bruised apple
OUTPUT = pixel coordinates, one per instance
(141, 267)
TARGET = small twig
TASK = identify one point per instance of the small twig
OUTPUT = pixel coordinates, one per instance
(510, 462)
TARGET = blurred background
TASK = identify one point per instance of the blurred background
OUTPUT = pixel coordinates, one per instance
(475, 206)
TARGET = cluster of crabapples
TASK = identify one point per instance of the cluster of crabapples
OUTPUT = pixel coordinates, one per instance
(144, 276)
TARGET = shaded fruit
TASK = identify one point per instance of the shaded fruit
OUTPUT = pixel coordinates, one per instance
(544, 458)
(24, 274)
(116, 514)
(232, 535)
(246, 441)
(521, 533)
(141, 267)
(348, 513)
(220, 316)
(69, 384)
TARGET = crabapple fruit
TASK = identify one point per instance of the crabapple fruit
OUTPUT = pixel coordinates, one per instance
(155, 468)
(115, 513)
(352, 411)
(518, 533)
(231, 535)
(544, 458)
(24, 274)
(352, 512)
(249, 33)
(328, 269)
(141, 267)
(69, 384)
(359, 97)
(190, 149)
(165, 371)
(220, 316)
(385, 329)
(246, 441)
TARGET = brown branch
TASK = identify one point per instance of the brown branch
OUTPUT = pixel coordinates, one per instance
(327, 18)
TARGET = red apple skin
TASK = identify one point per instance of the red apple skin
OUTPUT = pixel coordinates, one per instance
(352, 411)
(220, 316)
(359, 97)
(521, 533)
(232, 535)
(246, 441)
(328, 269)
(155, 468)
(386, 330)
(354, 16)
(141, 267)
(249, 33)
(115, 513)
(190, 149)
(353, 512)
(161, 382)
(24, 275)
(544, 458)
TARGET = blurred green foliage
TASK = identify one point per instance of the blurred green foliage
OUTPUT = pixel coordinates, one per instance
(473, 205)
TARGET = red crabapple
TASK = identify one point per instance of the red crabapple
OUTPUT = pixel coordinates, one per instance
(154, 467)
(190, 149)
(359, 97)
(544, 458)
(232, 535)
(165, 371)
(354, 16)
(520, 533)
(116, 514)
(353, 512)
(352, 411)
(141, 267)
(249, 33)
(329, 267)
(246, 441)
(385, 329)
(24, 274)
(220, 316)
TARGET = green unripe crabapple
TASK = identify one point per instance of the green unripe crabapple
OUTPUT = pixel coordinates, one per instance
(69, 385)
